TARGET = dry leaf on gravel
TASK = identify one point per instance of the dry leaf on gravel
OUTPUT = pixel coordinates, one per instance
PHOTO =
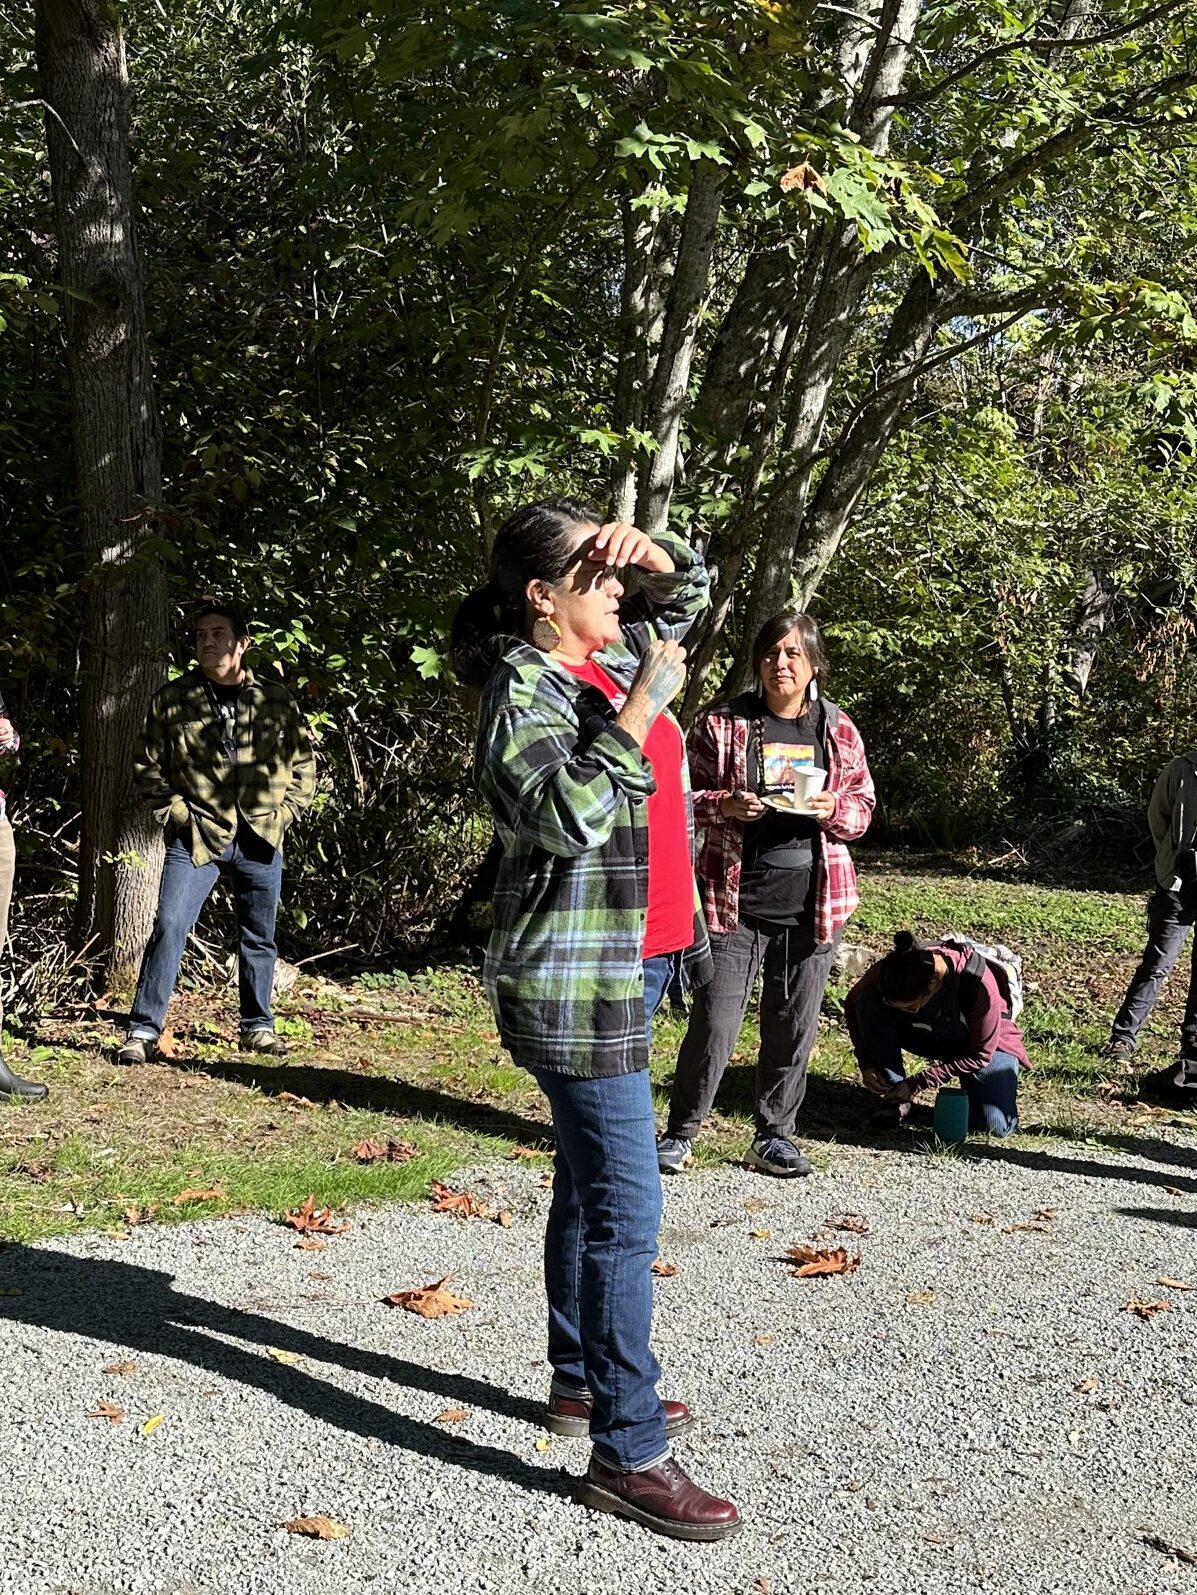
(316, 1274)
(1088, 1386)
(310, 1243)
(279, 1355)
(1038, 1229)
(429, 1301)
(760, 1234)
(109, 1410)
(850, 1223)
(384, 1151)
(764, 1340)
(816, 1260)
(119, 1367)
(309, 1218)
(317, 1528)
(664, 1270)
(463, 1204)
(980, 1218)
(192, 1193)
(755, 1204)
(1147, 1309)
(151, 1424)
(1173, 1190)
(451, 1415)
(1158, 1543)
(503, 1219)
(920, 1298)
(1174, 1284)
(763, 1585)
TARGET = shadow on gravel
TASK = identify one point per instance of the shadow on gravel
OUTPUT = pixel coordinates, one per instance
(377, 1095)
(137, 1309)
(996, 1152)
(1160, 1215)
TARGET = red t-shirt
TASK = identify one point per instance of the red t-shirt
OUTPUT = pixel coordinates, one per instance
(670, 923)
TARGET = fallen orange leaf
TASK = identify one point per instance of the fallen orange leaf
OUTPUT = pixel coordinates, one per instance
(1147, 1309)
(850, 1223)
(462, 1203)
(524, 1152)
(109, 1410)
(814, 1260)
(317, 1528)
(384, 1151)
(212, 1193)
(1088, 1386)
(450, 1415)
(429, 1301)
(309, 1218)
(920, 1298)
(310, 1243)
(120, 1367)
(664, 1270)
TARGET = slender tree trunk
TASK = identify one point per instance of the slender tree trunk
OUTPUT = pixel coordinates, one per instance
(679, 339)
(635, 310)
(117, 448)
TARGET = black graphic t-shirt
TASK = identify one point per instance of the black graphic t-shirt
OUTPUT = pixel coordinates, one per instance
(777, 871)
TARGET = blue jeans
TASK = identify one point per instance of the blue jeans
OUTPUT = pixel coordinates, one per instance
(599, 1248)
(659, 973)
(256, 871)
(992, 1092)
(1170, 917)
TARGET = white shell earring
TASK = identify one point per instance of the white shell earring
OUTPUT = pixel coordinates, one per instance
(812, 692)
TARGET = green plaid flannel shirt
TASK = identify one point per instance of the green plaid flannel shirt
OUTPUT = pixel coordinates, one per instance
(567, 787)
(190, 779)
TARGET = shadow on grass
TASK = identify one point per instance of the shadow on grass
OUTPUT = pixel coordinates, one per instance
(138, 1309)
(372, 1093)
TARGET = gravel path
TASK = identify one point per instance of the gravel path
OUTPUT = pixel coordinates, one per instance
(915, 1426)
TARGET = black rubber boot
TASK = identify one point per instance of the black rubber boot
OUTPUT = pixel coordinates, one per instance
(12, 1086)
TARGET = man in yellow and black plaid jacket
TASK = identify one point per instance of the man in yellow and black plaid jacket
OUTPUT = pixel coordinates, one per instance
(227, 766)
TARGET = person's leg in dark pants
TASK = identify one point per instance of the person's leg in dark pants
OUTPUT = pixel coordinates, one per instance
(716, 1014)
(993, 1095)
(257, 877)
(1168, 924)
(184, 889)
(598, 1266)
(796, 972)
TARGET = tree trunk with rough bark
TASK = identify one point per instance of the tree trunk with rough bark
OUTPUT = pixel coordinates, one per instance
(117, 449)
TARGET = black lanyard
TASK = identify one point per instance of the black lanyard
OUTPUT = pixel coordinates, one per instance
(225, 716)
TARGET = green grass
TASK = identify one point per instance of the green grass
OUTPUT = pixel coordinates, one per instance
(396, 1058)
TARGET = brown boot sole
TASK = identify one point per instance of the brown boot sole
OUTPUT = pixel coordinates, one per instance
(579, 1428)
(594, 1496)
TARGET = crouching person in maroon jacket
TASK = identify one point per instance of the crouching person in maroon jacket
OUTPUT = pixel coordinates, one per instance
(941, 1003)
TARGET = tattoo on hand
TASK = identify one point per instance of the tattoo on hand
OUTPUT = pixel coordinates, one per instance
(661, 675)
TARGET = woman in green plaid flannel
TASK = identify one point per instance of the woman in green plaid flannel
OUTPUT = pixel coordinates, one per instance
(584, 770)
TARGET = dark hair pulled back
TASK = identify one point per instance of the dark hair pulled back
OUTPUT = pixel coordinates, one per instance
(231, 612)
(779, 626)
(537, 543)
(908, 972)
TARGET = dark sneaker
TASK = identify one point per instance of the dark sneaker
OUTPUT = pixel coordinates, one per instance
(1119, 1051)
(775, 1155)
(664, 1499)
(674, 1153)
(570, 1415)
(262, 1041)
(14, 1089)
(137, 1050)
(1186, 1076)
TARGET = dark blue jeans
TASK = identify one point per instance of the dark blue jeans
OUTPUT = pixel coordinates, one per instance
(1169, 920)
(992, 1092)
(255, 870)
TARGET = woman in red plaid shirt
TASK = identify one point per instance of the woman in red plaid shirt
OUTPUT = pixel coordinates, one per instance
(781, 785)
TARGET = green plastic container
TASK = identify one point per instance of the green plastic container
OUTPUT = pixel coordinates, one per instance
(951, 1116)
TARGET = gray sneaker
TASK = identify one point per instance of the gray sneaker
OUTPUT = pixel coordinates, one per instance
(1186, 1076)
(263, 1041)
(773, 1154)
(674, 1153)
(137, 1050)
